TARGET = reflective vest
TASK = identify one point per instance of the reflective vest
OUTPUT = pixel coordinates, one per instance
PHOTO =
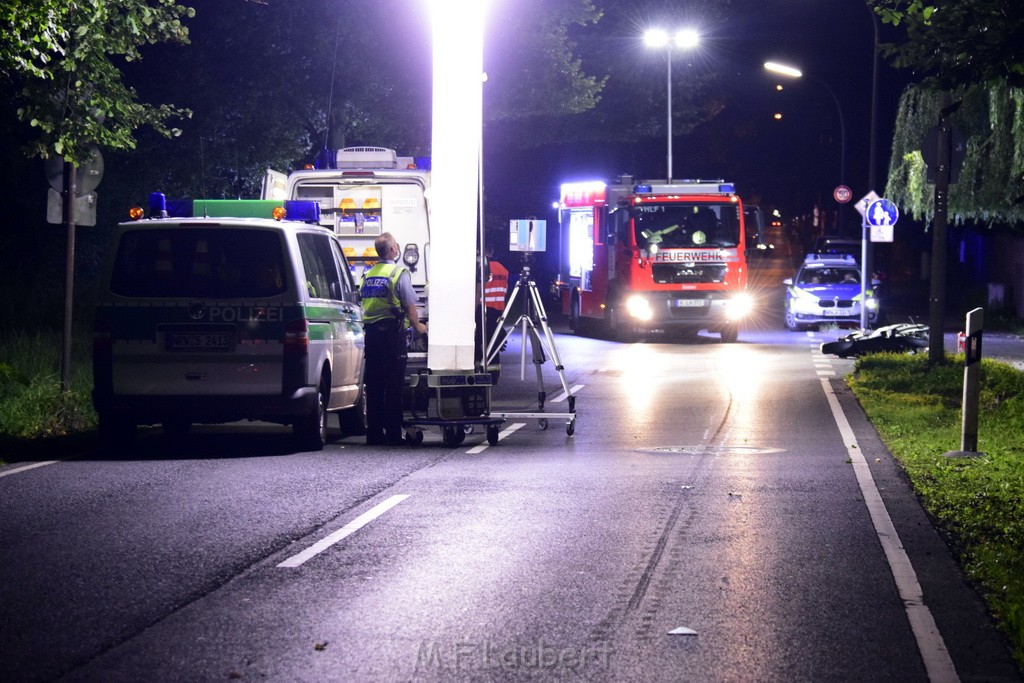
(496, 287)
(378, 291)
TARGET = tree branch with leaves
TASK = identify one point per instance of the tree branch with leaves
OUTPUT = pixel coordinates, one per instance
(63, 56)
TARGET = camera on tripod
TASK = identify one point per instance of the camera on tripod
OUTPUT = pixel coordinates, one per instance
(527, 235)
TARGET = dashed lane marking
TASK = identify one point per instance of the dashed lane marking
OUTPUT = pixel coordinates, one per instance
(574, 390)
(501, 435)
(345, 531)
(26, 468)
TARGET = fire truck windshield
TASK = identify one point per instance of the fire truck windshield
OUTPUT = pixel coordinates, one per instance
(682, 226)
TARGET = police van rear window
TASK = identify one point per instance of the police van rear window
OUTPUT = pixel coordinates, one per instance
(199, 263)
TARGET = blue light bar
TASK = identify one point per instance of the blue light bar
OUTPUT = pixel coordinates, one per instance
(306, 211)
(637, 189)
(157, 205)
(727, 187)
(179, 208)
(326, 159)
(422, 163)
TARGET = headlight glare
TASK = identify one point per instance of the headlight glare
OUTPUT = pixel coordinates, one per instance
(638, 307)
(739, 307)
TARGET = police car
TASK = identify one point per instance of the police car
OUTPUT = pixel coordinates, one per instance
(826, 289)
(222, 310)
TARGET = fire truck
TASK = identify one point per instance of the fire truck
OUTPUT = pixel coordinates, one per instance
(641, 256)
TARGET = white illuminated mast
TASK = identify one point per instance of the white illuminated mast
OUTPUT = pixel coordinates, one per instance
(458, 29)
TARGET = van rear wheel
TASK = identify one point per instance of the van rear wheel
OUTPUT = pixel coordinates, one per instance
(311, 430)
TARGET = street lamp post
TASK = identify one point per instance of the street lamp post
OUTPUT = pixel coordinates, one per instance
(685, 39)
(792, 72)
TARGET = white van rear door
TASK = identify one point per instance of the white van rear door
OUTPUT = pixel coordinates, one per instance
(275, 185)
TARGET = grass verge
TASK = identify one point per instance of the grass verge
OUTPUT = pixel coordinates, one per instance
(34, 412)
(978, 502)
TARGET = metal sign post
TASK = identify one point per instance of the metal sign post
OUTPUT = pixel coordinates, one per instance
(881, 215)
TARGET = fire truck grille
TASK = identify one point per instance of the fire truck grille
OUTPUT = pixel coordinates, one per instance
(676, 274)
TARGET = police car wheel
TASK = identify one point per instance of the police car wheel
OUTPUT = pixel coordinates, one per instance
(730, 333)
(311, 430)
(791, 323)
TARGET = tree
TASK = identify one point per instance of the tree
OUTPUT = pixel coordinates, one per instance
(589, 78)
(952, 43)
(61, 55)
(990, 187)
(972, 50)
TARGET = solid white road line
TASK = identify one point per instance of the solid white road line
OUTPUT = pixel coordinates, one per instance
(501, 435)
(26, 468)
(937, 661)
(345, 531)
(574, 390)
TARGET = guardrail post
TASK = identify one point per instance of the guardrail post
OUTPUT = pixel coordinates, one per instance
(972, 370)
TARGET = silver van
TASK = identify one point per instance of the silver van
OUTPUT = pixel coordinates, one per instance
(222, 315)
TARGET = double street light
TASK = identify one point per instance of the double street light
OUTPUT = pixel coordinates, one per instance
(685, 39)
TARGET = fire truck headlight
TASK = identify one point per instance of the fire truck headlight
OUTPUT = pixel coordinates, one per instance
(639, 308)
(739, 307)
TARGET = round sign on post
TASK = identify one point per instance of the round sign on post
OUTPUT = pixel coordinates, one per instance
(882, 212)
(842, 194)
(89, 173)
(881, 215)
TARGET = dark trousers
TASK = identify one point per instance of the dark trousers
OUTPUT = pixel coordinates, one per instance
(385, 378)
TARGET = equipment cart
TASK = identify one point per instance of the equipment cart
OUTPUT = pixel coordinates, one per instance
(452, 402)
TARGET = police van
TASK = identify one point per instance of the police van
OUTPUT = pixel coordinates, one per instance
(222, 310)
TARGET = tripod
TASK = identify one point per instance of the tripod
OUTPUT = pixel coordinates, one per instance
(532, 317)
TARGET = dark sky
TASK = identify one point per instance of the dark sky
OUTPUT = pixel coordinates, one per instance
(792, 163)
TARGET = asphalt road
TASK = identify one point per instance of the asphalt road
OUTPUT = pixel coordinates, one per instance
(718, 515)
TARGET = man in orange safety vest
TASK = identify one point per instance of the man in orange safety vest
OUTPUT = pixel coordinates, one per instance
(495, 290)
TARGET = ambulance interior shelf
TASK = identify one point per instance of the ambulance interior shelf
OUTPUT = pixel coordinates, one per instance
(349, 211)
(358, 218)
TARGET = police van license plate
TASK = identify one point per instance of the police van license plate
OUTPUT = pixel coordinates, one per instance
(198, 341)
(690, 303)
